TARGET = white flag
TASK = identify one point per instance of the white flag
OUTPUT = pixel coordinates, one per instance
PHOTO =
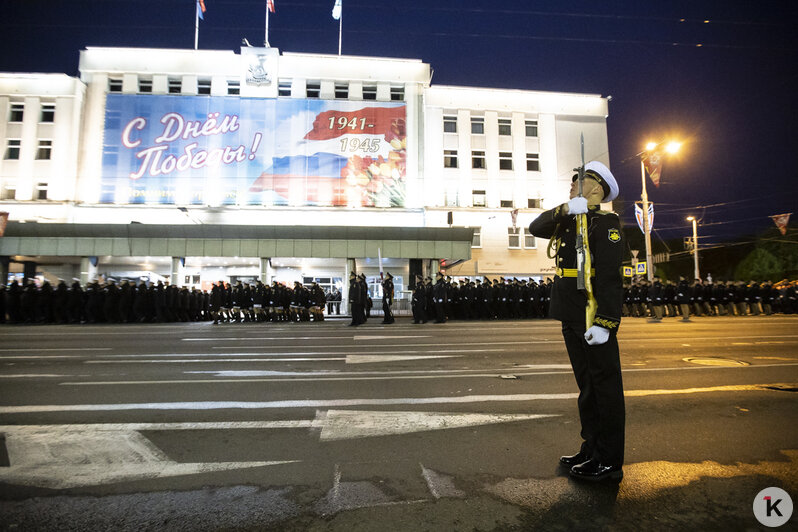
(336, 12)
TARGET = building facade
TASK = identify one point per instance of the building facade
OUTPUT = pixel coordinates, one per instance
(297, 167)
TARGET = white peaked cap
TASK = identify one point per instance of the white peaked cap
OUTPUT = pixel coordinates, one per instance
(607, 176)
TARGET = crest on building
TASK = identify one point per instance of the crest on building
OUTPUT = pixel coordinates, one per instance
(257, 70)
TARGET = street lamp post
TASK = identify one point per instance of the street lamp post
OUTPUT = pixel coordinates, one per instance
(672, 147)
(695, 245)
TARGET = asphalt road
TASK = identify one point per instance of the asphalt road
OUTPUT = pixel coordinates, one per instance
(402, 427)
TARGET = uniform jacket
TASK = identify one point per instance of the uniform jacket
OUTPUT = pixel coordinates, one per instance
(606, 247)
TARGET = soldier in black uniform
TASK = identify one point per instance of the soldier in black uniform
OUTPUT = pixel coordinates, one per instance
(387, 298)
(593, 352)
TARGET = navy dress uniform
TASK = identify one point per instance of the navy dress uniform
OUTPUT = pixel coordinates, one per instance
(596, 364)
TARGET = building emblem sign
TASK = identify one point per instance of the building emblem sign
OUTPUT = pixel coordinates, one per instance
(257, 72)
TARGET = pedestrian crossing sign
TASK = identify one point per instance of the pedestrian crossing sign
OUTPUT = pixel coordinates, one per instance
(628, 271)
(641, 268)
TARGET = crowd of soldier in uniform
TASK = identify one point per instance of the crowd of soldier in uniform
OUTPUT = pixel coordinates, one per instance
(658, 299)
(127, 302)
(486, 299)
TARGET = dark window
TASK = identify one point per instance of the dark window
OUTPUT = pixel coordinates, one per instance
(531, 128)
(533, 162)
(17, 111)
(529, 239)
(342, 91)
(204, 86)
(41, 191)
(369, 92)
(145, 85)
(477, 125)
(12, 151)
(514, 237)
(478, 159)
(533, 203)
(505, 160)
(450, 124)
(284, 87)
(450, 158)
(506, 203)
(233, 87)
(45, 150)
(313, 89)
(505, 126)
(114, 85)
(48, 112)
(175, 86)
(398, 93)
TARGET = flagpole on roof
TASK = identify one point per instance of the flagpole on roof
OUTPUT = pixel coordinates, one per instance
(340, 27)
(196, 26)
(337, 15)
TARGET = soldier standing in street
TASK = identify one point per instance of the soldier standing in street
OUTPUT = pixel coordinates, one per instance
(439, 297)
(387, 298)
(593, 349)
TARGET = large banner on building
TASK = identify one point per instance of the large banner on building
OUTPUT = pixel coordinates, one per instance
(205, 150)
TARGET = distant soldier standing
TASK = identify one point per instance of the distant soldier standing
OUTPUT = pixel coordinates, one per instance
(387, 298)
(593, 350)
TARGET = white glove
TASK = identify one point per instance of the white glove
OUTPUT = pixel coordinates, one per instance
(577, 205)
(596, 335)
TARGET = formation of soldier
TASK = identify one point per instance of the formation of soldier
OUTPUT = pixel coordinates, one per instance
(486, 299)
(127, 302)
(659, 299)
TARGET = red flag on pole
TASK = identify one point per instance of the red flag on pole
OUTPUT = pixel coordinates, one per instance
(781, 221)
(3, 222)
(653, 164)
(270, 5)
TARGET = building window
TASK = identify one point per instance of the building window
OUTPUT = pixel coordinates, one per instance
(533, 162)
(145, 85)
(313, 89)
(505, 126)
(514, 237)
(533, 203)
(342, 91)
(12, 150)
(41, 191)
(476, 241)
(8, 192)
(48, 112)
(531, 128)
(398, 92)
(284, 87)
(529, 239)
(450, 158)
(450, 124)
(477, 125)
(478, 198)
(233, 87)
(506, 204)
(114, 84)
(478, 159)
(17, 111)
(505, 160)
(45, 150)
(204, 86)
(175, 85)
(369, 92)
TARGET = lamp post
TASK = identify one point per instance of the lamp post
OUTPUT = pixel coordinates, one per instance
(695, 245)
(672, 147)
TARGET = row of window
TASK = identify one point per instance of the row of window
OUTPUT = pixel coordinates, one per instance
(505, 127)
(312, 88)
(17, 112)
(478, 160)
(9, 191)
(514, 235)
(479, 199)
(43, 153)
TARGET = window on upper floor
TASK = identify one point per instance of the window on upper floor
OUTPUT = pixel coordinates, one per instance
(533, 162)
(341, 91)
(514, 237)
(531, 127)
(478, 198)
(41, 191)
(478, 159)
(8, 191)
(450, 158)
(284, 87)
(114, 84)
(369, 92)
(175, 85)
(48, 112)
(12, 149)
(145, 85)
(17, 112)
(506, 204)
(477, 125)
(45, 150)
(233, 87)
(313, 89)
(533, 203)
(529, 239)
(397, 92)
(505, 126)
(505, 160)
(203, 86)
(449, 124)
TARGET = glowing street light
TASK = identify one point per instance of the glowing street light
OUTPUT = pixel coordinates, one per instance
(672, 147)
(695, 244)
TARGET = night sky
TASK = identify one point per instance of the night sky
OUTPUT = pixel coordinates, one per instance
(731, 100)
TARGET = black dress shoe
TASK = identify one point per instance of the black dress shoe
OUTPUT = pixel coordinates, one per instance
(576, 459)
(596, 472)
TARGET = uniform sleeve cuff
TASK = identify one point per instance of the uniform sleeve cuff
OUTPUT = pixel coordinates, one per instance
(608, 323)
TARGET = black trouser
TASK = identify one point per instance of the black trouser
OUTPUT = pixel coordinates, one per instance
(386, 311)
(597, 369)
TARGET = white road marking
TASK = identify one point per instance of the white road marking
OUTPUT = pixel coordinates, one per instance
(337, 403)
(61, 456)
(375, 337)
(36, 349)
(349, 359)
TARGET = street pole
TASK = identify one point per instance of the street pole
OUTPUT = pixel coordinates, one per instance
(646, 223)
(695, 247)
